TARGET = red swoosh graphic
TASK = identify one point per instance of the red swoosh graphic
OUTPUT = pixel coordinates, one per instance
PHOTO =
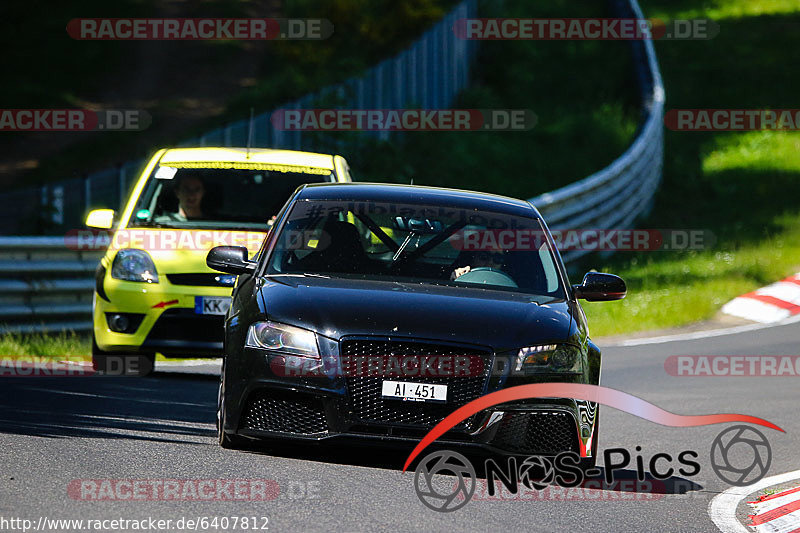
(593, 393)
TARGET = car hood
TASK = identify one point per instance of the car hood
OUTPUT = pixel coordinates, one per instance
(336, 307)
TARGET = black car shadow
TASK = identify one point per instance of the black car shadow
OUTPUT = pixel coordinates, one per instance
(163, 407)
(393, 456)
(169, 406)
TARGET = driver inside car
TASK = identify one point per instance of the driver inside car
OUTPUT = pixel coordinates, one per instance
(189, 191)
(481, 259)
(342, 253)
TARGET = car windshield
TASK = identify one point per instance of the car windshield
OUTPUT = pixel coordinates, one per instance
(181, 196)
(416, 243)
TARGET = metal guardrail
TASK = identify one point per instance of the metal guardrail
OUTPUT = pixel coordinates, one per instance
(614, 196)
(47, 286)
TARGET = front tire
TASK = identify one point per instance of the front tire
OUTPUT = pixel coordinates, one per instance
(226, 440)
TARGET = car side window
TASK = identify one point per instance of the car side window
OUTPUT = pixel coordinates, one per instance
(550, 274)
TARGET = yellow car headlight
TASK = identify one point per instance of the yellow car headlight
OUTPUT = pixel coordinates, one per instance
(134, 265)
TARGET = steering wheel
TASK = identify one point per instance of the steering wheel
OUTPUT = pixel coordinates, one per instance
(487, 276)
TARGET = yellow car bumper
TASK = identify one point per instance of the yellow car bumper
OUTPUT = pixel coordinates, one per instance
(167, 317)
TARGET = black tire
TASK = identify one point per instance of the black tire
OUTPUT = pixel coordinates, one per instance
(226, 440)
(120, 364)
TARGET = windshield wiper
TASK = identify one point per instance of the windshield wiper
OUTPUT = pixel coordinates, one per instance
(403, 246)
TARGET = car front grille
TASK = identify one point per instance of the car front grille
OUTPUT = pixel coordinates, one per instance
(367, 404)
(301, 416)
(537, 433)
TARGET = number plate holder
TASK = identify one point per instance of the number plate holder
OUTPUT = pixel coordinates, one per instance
(408, 391)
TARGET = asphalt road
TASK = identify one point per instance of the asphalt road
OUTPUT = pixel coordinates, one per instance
(59, 429)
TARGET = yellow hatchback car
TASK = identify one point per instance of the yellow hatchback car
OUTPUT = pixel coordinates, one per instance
(153, 291)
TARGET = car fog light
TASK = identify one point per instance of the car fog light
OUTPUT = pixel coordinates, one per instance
(119, 323)
(124, 322)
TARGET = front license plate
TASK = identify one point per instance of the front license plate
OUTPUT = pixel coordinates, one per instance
(414, 392)
(211, 305)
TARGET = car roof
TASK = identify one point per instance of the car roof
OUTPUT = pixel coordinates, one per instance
(240, 155)
(417, 194)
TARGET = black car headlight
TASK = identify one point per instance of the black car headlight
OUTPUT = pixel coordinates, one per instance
(134, 265)
(548, 358)
(269, 335)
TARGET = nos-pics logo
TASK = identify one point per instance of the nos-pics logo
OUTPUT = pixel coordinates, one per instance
(446, 481)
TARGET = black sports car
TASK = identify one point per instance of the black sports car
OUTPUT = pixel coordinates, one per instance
(372, 311)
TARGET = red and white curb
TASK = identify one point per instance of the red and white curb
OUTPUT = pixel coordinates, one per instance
(769, 304)
(777, 513)
(722, 507)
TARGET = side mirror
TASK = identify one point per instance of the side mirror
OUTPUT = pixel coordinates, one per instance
(599, 287)
(100, 218)
(230, 259)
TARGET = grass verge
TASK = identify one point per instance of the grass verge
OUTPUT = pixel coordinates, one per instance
(64, 345)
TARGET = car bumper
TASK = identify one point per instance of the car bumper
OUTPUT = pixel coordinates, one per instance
(322, 409)
(169, 323)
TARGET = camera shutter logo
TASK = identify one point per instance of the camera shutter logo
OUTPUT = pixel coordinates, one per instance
(734, 442)
(537, 472)
(448, 495)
